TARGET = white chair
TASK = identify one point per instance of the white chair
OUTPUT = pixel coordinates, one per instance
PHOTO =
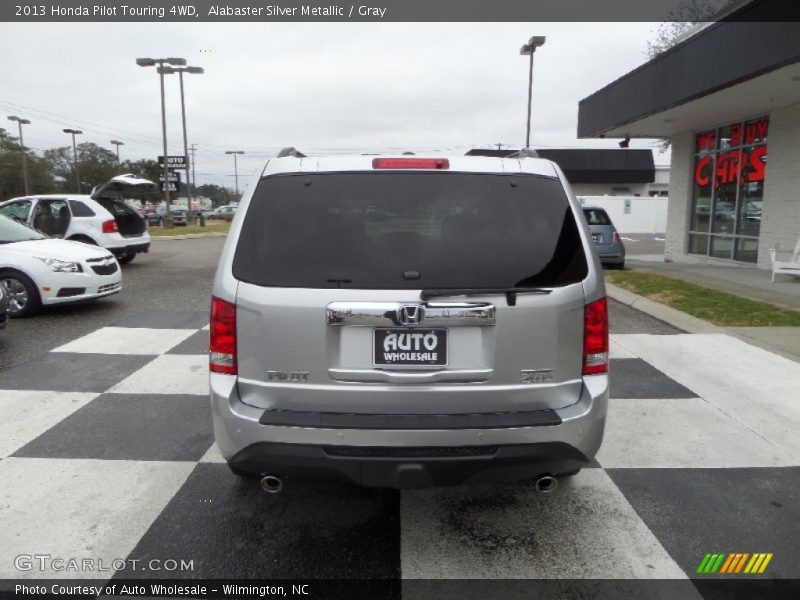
(785, 267)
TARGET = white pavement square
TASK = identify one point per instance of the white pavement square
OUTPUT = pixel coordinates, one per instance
(212, 455)
(682, 433)
(584, 529)
(127, 340)
(25, 415)
(759, 389)
(69, 508)
(168, 374)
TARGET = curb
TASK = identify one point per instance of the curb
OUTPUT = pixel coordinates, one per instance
(187, 236)
(669, 315)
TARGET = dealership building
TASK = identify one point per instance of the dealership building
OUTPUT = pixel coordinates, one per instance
(727, 96)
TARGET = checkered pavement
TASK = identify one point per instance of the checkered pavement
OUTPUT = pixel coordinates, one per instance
(106, 451)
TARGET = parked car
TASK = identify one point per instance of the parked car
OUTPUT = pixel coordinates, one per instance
(3, 307)
(179, 217)
(606, 238)
(225, 213)
(37, 270)
(155, 218)
(100, 218)
(460, 337)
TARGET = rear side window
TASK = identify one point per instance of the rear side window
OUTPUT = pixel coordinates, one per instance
(115, 207)
(79, 209)
(409, 231)
(596, 216)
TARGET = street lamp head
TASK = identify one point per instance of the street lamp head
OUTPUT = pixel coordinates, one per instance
(20, 121)
(177, 62)
(533, 43)
(145, 62)
(195, 70)
(117, 143)
(73, 131)
(165, 70)
(234, 151)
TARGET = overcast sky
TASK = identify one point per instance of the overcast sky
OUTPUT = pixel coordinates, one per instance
(319, 87)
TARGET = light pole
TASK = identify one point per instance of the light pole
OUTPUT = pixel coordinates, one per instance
(75, 132)
(152, 62)
(20, 123)
(180, 71)
(117, 143)
(529, 49)
(235, 169)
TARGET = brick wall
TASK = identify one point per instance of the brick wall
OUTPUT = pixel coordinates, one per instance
(680, 198)
(780, 216)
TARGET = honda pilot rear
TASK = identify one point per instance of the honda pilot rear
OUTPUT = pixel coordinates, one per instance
(408, 321)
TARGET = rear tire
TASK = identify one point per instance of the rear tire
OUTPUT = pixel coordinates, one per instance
(84, 239)
(23, 297)
(126, 258)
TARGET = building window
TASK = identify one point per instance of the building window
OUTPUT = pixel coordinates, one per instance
(728, 190)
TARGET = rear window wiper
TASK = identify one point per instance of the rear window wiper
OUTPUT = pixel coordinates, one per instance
(510, 292)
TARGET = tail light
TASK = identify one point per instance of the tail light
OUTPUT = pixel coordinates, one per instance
(616, 238)
(410, 163)
(595, 337)
(110, 226)
(222, 346)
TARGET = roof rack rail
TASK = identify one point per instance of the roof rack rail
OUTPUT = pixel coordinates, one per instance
(525, 153)
(290, 151)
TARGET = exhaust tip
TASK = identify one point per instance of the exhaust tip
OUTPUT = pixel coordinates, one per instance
(546, 484)
(272, 484)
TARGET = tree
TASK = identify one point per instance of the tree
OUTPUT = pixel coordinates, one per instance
(96, 165)
(688, 14)
(12, 182)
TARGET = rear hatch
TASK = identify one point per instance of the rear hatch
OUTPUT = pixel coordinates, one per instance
(110, 194)
(387, 292)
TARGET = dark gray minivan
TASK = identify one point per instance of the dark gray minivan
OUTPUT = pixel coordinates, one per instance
(400, 321)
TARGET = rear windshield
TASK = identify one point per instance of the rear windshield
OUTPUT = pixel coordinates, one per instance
(596, 216)
(115, 207)
(409, 231)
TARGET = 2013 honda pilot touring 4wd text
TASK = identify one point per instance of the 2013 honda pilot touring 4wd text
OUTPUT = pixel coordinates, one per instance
(408, 321)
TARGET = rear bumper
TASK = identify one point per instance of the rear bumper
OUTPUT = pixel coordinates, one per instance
(612, 253)
(408, 457)
(130, 249)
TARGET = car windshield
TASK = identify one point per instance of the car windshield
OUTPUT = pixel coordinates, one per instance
(596, 216)
(12, 231)
(409, 231)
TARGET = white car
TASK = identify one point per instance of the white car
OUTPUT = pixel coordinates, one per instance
(37, 270)
(101, 218)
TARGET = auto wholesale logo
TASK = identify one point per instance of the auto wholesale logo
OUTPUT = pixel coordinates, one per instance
(734, 563)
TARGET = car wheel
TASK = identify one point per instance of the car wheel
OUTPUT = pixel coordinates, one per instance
(126, 258)
(84, 239)
(23, 297)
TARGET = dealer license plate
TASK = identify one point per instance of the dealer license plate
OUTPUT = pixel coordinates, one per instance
(402, 346)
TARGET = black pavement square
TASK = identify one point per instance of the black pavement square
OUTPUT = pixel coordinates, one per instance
(72, 372)
(635, 378)
(130, 427)
(197, 343)
(231, 529)
(162, 318)
(696, 511)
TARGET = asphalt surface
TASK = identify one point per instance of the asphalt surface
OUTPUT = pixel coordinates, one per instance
(177, 275)
(174, 275)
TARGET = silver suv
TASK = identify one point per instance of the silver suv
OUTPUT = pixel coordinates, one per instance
(405, 322)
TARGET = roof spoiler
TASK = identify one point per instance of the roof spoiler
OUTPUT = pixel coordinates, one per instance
(525, 153)
(290, 151)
